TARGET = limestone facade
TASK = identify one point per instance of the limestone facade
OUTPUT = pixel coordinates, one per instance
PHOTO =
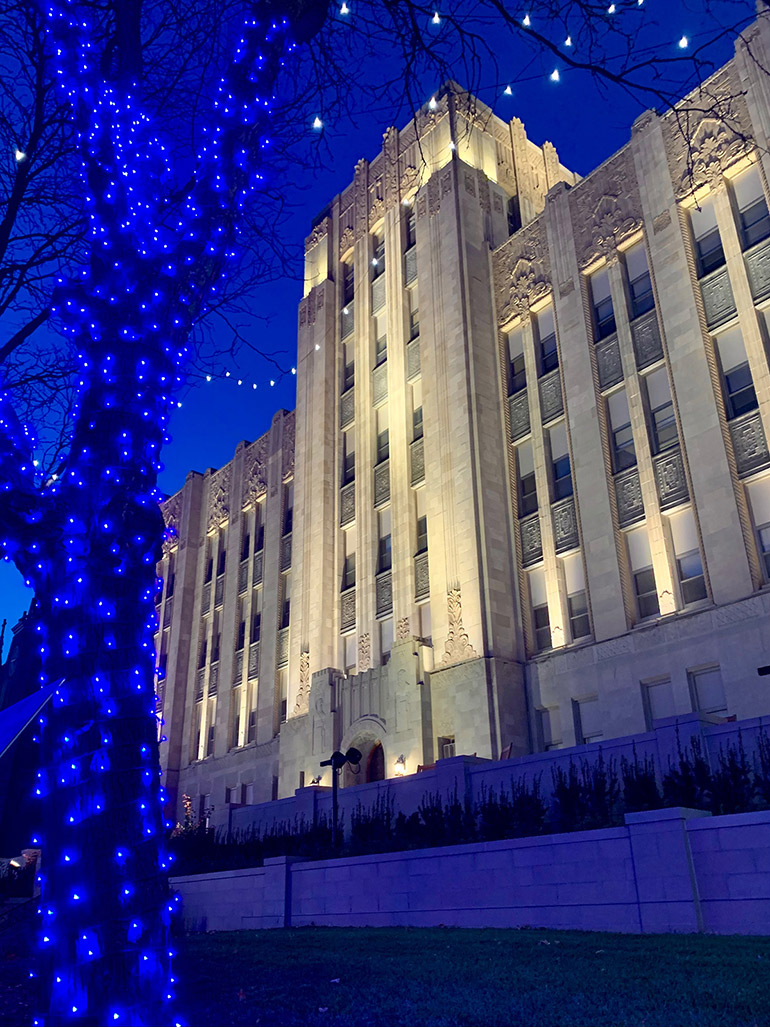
(524, 499)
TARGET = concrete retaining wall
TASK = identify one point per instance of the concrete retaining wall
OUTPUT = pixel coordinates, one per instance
(666, 870)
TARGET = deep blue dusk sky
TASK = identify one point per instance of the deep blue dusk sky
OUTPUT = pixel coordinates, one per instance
(585, 123)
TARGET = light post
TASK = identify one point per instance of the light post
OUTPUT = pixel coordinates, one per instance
(337, 761)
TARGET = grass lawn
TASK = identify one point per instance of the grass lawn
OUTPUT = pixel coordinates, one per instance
(441, 976)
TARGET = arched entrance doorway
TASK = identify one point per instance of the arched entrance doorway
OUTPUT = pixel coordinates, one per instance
(372, 765)
(375, 765)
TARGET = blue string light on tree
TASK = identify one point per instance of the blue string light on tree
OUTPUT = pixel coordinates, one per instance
(89, 539)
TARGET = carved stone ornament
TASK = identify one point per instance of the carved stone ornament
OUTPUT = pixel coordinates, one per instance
(403, 631)
(458, 646)
(422, 207)
(364, 652)
(434, 196)
(605, 208)
(219, 497)
(361, 198)
(303, 695)
(522, 272)
(410, 178)
(255, 470)
(287, 462)
(319, 232)
(172, 516)
(706, 133)
(346, 240)
(390, 166)
(661, 221)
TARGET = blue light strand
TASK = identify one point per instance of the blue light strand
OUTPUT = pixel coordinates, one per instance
(88, 540)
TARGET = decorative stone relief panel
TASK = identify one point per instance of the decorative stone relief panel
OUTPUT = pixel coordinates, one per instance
(168, 611)
(749, 442)
(384, 591)
(253, 660)
(380, 384)
(421, 576)
(390, 166)
(287, 462)
(670, 478)
(551, 402)
(628, 493)
(320, 232)
(531, 541)
(361, 198)
(403, 630)
(303, 695)
(243, 576)
(172, 516)
(213, 679)
(417, 453)
(645, 333)
(348, 503)
(206, 598)
(219, 591)
(347, 319)
(458, 646)
(282, 651)
(718, 301)
(608, 362)
(238, 667)
(382, 483)
(347, 407)
(565, 529)
(522, 271)
(758, 269)
(219, 497)
(364, 652)
(285, 552)
(519, 410)
(378, 293)
(348, 609)
(255, 470)
(258, 564)
(413, 359)
(605, 208)
(703, 139)
(410, 265)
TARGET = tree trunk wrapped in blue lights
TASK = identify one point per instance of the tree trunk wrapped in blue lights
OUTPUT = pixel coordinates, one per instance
(89, 541)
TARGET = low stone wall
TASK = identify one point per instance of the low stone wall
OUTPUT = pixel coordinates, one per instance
(666, 870)
(470, 776)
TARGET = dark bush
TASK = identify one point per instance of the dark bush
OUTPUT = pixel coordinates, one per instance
(640, 784)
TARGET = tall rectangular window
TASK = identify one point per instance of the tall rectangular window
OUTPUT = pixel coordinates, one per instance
(422, 522)
(737, 382)
(759, 501)
(383, 435)
(348, 457)
(384, 556)
(222, 552)
(517, 375)
(386, 638)
(621, 433)
(527, 490)
(283, 693)
(549, 729)
(381, 349)
(577, 599)
(349, 653)
(288, 508)
(348, 281)
(256, 615)
(285, 601)
(560, 462)
(240, 640)
(750, 200)
(417, 425)
(410, 228)
(235, 728)
(378, 258)
(546, 340)
(692, 581)
(349, 559)
(211, 715)
(414, 313)
(642, 574)
(203, 651)
(709, 254)
(259, 528)
(661, 420)
(348, 367)
(601, 300)
(216, 638)
(539, 601)
(209, 561)
(171, 577)
(639, 281)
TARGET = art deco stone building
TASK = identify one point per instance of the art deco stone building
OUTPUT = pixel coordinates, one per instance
(524, 500)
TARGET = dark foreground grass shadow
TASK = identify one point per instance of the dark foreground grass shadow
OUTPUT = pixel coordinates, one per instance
(440, 976)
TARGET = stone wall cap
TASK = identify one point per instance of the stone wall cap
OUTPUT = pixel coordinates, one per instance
(650, 816)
